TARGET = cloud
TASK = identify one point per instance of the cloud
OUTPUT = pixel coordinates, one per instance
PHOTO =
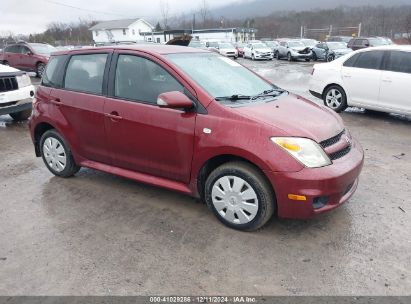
(32, 16)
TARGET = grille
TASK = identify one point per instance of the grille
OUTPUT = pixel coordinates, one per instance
(332, 141)
(8, 84)
(340, 153)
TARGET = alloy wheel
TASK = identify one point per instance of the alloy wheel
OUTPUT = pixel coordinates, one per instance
(234, 199)
(334, 98)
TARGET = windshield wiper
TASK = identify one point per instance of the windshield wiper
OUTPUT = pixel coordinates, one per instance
(269, 93)
(233, 98)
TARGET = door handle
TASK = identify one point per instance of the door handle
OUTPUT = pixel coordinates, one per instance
(56, 101)
(113, 116)
(387, 80)
(347, 76)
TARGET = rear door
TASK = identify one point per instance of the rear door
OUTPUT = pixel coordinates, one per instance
(26, 58)
(11, 55)
(395, 92)
(142, 136)
(362, 76)
(81, 103)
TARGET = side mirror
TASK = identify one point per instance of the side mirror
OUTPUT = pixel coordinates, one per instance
(367, 44)
(30, 53)
(174, 100)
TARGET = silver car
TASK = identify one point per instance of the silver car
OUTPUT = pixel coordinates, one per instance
(293, 50)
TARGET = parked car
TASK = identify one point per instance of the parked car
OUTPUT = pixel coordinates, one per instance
(330, 51)
(212, 46)
(16, 93)
(168, 114)
(273, 45)
(293, 50)
(239, 46)
(197, 44)
(344, 39)
(377, 79)
(258, 50)
(361, 43)
(227, 49)
(32, 57)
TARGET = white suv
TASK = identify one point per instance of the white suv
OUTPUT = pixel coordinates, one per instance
(376, 78)
(16, 93)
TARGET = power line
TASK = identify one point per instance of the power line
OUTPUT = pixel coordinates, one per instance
(83, 9)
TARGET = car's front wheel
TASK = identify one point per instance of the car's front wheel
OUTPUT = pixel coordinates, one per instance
(57, 155)
(335, 98)
(289, 57)
(240, 196)
(330, 58)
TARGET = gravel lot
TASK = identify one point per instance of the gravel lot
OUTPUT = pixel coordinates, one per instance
(98, 234)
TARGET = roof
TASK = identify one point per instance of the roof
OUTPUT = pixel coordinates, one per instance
(114, 24)
(159, 49)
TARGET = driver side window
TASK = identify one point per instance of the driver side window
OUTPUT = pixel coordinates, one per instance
(140, 79)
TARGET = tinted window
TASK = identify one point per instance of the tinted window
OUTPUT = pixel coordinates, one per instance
(359, 42)
(24, 50)
(85, 73)
(12, 49)
(51, 76)
(140, 79)
(399, 62)
(350, 61)
(369, 60)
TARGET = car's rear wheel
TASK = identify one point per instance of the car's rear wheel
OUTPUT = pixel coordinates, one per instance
(335, 98)
(57, 155)
(330, 58)
(40, 69)
(240, 196)
(21, 116)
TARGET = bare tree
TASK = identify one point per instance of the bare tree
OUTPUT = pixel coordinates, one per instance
(165, 13)
(204, 11)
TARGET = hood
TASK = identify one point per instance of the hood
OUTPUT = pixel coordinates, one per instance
(343, 51)
(296, 116)
(228, 49)
(7, 69)
(264, 50)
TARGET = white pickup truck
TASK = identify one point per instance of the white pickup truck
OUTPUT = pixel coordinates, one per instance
(16, 93)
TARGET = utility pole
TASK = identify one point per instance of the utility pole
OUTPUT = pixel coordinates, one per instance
(359, 29)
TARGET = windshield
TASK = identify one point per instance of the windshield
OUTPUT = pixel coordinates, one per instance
(377, 42)
(309, 42)
(270, 43)
(197, 44)
(336, 45)
(296, 44)
(220, 76)
(212, 44)
(44, 49)
(225, 46)
(259, 46)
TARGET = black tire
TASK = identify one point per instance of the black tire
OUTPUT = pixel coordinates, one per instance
(277, 55)
(21, 116)
(71, 168)
(5, 62)
(307, 59)
(255, 178)
(315, 58)
(40, 69)
(343, 105)
(252, 57)
(289, 57)
(330, 58)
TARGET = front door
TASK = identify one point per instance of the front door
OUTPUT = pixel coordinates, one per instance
(142, 136)
(362, 80)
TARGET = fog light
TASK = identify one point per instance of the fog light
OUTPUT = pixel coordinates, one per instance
(320, 202)
(296, 197)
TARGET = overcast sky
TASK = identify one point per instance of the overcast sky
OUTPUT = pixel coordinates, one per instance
(28, 16)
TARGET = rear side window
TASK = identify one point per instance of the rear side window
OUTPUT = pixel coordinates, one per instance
(399, 62)
(51, 76)
(12, 49)
(359, 42)
(351, 61)
(369, 60)
(85, 73)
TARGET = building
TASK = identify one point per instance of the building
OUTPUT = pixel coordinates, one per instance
(118, 31)
(220, 34)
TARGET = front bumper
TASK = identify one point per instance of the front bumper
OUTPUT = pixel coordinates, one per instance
(21, 105)
(264, 56)
(302, 56)
(335, 183)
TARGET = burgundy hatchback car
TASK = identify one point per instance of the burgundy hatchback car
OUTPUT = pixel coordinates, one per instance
(196, 122)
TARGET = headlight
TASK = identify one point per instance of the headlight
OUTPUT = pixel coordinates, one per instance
(23, 81)
(257, 52)
(305, 150)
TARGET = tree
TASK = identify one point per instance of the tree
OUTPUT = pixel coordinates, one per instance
(158, 27)
(204, 11)
(165, 12)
